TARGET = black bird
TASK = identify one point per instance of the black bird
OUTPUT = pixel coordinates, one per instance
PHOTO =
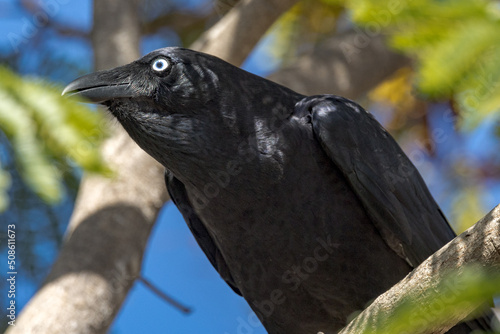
(305, 206)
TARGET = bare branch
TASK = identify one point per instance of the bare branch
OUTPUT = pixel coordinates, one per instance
(163, 295)
(236, 34)
(35, 9)
(224, 6)
(177, 21)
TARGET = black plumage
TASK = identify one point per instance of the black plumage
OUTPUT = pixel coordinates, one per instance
(306, 206)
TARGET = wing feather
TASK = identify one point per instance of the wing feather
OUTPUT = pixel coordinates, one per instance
(389, 186)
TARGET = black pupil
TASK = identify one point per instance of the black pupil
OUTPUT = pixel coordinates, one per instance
(159, 64)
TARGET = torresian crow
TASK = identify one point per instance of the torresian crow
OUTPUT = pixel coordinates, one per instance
(305, 206)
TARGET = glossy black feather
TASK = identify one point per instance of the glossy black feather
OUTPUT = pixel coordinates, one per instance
(389, 186)
(178, 195)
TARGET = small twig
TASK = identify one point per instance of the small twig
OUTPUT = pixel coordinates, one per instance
(164, 296)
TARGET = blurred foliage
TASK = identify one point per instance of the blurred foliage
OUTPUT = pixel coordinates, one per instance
(467, 208)
(396, 92)
(470, 288)
(48, 135)
(456, 44)
(304, 25)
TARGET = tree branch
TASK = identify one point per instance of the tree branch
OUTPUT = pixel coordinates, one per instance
(163, 295)
(35, 8)
(224, 6)
(478, 246)
(236, 34)
(349, 64)
(177, 21)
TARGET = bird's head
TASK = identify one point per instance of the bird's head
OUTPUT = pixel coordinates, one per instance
(170, 80)
(177, 103)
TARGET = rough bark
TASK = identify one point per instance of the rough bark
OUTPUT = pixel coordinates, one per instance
(478, 246)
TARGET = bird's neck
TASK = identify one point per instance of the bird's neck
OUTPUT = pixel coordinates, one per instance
(231, 134)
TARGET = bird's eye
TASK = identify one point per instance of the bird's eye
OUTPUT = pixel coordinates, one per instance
(160, 64)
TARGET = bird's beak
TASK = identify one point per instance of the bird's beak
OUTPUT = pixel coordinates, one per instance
(99, 87)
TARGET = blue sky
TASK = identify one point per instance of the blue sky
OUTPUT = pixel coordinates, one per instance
(173, 260)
